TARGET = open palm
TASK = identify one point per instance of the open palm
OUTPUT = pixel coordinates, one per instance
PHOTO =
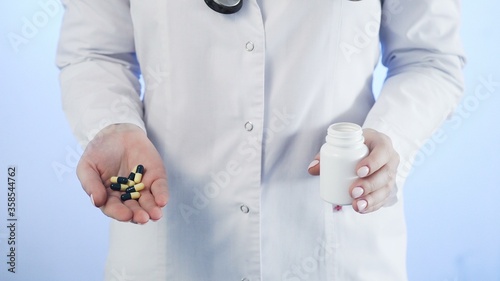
(116, 150)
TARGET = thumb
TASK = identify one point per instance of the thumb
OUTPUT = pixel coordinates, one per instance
(92, 184)
(313, 167)
(159, 189)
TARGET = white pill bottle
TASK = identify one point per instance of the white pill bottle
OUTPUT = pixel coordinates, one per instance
(343, 149)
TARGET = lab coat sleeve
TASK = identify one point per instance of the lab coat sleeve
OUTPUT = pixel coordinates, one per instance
(99, 71)
(422, 50)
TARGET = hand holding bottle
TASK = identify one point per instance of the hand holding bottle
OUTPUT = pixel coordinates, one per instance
(373, 183)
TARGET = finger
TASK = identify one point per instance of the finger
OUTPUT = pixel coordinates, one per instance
(372, 201)
(139, 216)
(313, 167)
(92, 183)
(381, 151)
(372, 192)
(156, 179)
(148, 204)
(114, 208)
(364, 186)
(159, 189)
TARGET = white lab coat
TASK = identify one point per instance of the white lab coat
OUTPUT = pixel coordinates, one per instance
(238, 105)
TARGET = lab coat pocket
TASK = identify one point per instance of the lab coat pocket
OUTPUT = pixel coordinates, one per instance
(366, 247)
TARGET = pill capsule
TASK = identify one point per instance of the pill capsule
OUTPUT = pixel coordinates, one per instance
(131, 176)
(136, 188)
(128, 196)
(139, 169)
(138, 178)
(119, 186)
(122, 180)
(131, 183)
(138, 173)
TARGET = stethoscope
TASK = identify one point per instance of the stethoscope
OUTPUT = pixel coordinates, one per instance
(228, 6)
(225, 6)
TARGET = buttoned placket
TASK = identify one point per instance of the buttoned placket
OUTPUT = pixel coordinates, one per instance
(249, 206)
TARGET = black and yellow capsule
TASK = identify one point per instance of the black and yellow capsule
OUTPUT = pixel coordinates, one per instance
(131, 176)
(139, 169)
(138, 173)
(122, 180)
(119, 186)
(128, 196)
(136, 188)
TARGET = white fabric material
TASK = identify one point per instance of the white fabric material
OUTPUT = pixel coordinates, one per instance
(310, 65)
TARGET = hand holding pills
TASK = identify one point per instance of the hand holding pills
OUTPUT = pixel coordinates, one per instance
(118, 150)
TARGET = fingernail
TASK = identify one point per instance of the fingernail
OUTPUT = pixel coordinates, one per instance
(363, 171)
(357, 192)
(362, 205)
(156, 220)
(92, 199)
(313, 163)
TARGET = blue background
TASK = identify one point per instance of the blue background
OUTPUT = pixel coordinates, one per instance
(452, 194)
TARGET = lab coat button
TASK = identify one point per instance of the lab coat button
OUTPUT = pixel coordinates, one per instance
(249, 46)
(244, 209)
(248, 126)
(245, 279)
